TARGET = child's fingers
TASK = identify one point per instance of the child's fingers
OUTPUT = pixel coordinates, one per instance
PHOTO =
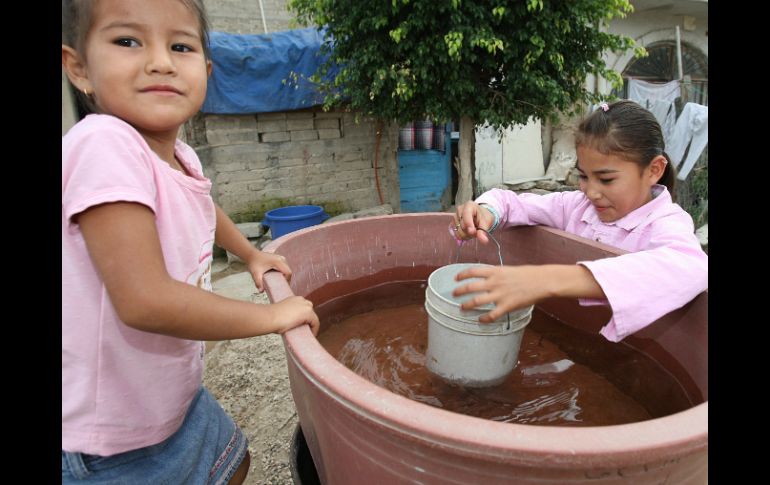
(463, 218)
(283, 266)
(311, 318)
(468, 218)
(257, 277)
(491, 316)
(315, 324)
(465, 289)
(476, 272)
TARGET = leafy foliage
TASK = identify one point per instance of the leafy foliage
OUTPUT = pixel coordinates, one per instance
(494, 60)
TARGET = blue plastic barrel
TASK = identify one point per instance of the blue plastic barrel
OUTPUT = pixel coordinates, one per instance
(291, 218)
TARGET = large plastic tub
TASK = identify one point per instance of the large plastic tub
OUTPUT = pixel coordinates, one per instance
(359, 432)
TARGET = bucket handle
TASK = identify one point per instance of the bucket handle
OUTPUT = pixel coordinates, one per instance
(499, 255)
(499, 251)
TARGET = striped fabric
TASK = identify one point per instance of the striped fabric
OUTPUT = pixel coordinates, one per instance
(422, 135)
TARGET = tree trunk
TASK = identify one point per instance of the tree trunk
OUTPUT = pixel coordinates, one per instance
(465, 161)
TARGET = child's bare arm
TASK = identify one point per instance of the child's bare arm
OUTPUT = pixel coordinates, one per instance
(123, 243)
(229, 237)
(512, 287)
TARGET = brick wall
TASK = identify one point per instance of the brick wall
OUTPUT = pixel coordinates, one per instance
(243, 16)
(264, 160)
(300, 157)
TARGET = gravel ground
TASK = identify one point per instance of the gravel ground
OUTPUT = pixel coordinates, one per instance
(249, 378)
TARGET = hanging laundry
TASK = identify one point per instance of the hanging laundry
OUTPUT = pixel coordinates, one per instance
(646, 93)
(665, 113)
(692, 128)
(422, 135)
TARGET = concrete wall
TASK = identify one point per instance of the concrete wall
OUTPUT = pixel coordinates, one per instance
(651, 23)
(515, 158)
(258, 162)
(244, 16)
(300, 157)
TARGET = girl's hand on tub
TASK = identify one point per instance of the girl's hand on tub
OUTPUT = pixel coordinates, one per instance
(293, 312)
(260, 263)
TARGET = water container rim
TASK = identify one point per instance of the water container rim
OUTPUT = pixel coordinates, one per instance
(270, 215)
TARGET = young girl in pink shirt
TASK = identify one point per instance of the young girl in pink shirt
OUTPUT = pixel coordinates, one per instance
(626, 182)
(138, 228)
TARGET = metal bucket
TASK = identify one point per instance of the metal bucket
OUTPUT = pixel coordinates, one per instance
(462, 350)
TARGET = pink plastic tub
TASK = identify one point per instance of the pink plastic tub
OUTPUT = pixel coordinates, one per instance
(358, 432)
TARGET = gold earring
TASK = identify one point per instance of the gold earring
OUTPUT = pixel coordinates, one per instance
(85, 91)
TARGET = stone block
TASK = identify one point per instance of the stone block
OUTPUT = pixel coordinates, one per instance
(301, 124)
(324, 134)
(270, 116)
(304, 135)
(271, 126)
(275, 137)
(327, 124)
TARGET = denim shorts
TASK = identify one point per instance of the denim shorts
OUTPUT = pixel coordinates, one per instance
(206, 449)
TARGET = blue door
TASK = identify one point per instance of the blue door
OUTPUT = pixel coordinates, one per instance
(425, 177)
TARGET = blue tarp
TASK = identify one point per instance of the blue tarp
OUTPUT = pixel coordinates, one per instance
(252, 73)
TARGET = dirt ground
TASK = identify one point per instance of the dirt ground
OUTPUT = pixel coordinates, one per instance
(249, 378)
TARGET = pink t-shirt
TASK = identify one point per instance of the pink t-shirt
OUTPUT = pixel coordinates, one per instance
(665, 268)
(122, 388)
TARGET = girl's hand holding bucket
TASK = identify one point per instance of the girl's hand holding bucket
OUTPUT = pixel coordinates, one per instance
(470, 217)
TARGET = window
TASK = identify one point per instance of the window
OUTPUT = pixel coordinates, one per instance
(661, 66)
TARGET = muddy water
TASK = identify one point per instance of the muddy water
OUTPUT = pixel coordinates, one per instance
(565, 377)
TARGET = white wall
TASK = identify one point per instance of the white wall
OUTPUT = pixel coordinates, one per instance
(519, 157)
(521, 152)
(655, 25)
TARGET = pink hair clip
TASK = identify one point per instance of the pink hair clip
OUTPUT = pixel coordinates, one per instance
(604, 106)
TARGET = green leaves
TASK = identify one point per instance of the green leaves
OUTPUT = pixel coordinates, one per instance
(533, 5)
(503, 62)
(396, 34)
(454, 41)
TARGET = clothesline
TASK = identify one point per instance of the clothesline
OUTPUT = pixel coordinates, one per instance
(692, 85)
(665, 82)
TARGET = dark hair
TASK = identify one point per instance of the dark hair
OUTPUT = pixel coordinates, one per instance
(76, 19)
(627, 129)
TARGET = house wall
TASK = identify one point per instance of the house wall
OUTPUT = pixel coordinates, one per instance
(518, 157)
(244, 17)
(262, 161)
(652, 21)
(647, 26)
(298, 157)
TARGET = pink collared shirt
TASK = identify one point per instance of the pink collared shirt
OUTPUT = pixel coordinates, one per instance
(664, 269)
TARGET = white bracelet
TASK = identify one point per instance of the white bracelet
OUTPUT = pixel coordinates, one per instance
(494, 214)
